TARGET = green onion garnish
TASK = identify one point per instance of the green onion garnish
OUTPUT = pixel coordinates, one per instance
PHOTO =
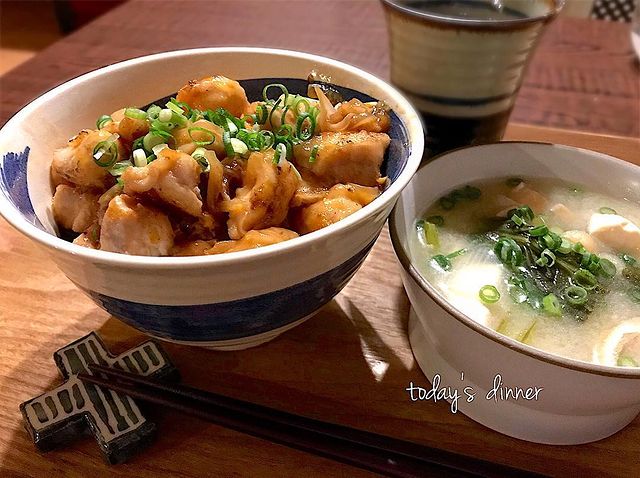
(584, 278)
(262, 113)
(153, 138)
(607, 267)
(139, 157)
(489, 294)
(546, 259)
(551, 305)
(607, 210)
(226, 141)
(165, 115)
(634, 294)
(153, 111)
(508, 251)
(444, 262)
(200, 157)
(302, 133)
(629, 260)
(159, 147)
(565, 247)
(119, 168)
(523, 212)
(447, 203)
(283, 88)
(105, 153)
(539, 231)
(103, 120)
(135, 113)
(431, 233)
(281, 154)
(576, 295)
(239, 147)
(551, 241)
(314, 153)
(210, 137)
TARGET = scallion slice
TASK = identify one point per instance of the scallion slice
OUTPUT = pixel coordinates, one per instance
(105, 153)
(539, 231)
(489, 294)
(239, 147)
(607, 267)
(576, 295)
(139, 157)
(153, 138)
(281, 154)
(585, 279)
(551, 305)
(200, 156)
(135, 113)
(508, 251)
(634, 294)
(629, 260)
(159, 147)
(165, 115)
(209, 137)
(153, 111)
(103, 120)
(314, 153)
(280, 86)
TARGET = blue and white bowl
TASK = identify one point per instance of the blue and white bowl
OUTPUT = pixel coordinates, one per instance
(228, 301)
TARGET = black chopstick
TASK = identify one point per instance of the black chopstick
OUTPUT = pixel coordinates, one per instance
(378, 453)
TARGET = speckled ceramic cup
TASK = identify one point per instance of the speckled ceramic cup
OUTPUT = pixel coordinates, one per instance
(461, 62)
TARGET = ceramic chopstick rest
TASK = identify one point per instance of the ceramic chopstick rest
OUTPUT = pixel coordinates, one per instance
(60, 415)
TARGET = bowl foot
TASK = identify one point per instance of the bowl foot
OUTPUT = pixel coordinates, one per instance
(239, 343)
(508, 417)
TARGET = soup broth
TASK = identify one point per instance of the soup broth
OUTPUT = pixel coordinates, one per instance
(544, 262)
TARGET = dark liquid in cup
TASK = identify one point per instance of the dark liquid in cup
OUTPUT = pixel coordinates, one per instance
(443, 133)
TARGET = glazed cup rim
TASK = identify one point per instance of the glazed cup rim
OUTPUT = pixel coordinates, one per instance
(409, 118)
(554, 8)
(544, 356)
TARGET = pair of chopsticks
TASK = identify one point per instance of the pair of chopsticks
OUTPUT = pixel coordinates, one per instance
(385, 455)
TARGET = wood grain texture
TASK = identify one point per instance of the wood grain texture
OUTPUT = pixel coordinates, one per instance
(349, 364)
(583, 76)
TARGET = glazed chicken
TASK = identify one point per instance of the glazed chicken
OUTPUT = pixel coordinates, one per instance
(210, 173)
(172, 178)
(133, 228)
(214, 92)
(344, 157)
(263, 200)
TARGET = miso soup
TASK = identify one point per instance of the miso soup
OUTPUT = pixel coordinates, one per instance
(550, 264)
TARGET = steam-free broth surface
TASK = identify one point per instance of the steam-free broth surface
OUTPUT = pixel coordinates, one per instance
(455, 246)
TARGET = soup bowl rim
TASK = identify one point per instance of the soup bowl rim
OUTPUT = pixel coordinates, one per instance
(404, 258)
(408, 116)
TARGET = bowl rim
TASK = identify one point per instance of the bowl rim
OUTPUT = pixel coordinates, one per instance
(548, 357)
(410, 118)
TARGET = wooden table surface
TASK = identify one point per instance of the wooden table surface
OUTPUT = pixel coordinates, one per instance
(350, 363)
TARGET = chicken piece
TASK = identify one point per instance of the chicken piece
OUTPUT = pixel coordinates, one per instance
(362, 195)
(132, 128)
(215, 92)
(584, 238)
(75, 163)
(253, 239)
(192, 248)
(308, 194)
(563, 216)
(617, 232)
(263, 200)
(185, 141)
(133, 228)
(344, 157)
(354, 115)
(74, 209)
(524, 195)
(323, 213)
(173, 178)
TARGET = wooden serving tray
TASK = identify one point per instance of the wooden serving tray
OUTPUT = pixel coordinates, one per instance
(349, 364)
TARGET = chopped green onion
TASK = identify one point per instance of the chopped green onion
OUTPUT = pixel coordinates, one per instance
(283, 88)
(634, 293)
(579, 248)
(281, 154)
(576, 295)
(226, 141)
(103, 120)
(210, 137)
(175, 108)
(153, 112)
(518, 220)
(607, 267)
(457, 253)
(239, 147)
(139, 157)
(586, 279)
(607, 210)
(437, 220)
(302, 133)
(135, 113)
(539, 231)
(165, 115)
(431, 234)
(489, 294)
(119, 168)
(442, 262)
(157, 126)
(546, 259)
(105, 153)
(200, 156)
(626, 361)
(629, 260)
(565, 247)
(314, 153)
(262, 113)
(159, 147)
(513, 182)
(508, 251)
(152, 139)
(523, 212)
(551, 305)
(470, 192)
(231, 127)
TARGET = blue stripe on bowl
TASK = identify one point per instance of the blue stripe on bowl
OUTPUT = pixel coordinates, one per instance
(238, 318)
(13, 184)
